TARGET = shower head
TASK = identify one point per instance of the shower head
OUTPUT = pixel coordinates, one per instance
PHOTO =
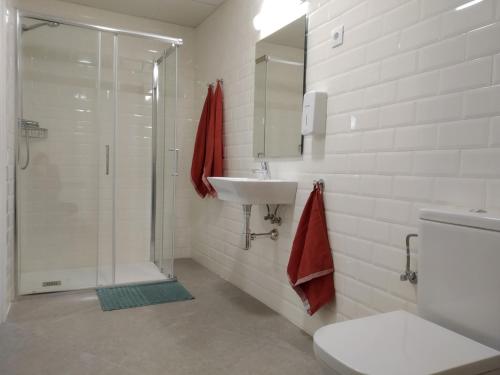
(40, 24)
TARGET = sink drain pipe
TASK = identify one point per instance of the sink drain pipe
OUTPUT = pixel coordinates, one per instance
(248, 236)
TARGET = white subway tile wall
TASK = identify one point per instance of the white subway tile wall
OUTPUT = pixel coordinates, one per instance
(413, 95)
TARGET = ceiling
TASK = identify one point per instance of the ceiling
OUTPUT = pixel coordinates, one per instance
(181, 12)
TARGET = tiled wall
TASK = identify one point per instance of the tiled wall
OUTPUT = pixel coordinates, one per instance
(413, 97)
(6, 161)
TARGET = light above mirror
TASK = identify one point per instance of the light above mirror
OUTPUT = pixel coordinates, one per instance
(274, 14)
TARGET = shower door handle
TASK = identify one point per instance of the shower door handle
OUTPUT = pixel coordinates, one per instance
(107, 160)
(176, 161)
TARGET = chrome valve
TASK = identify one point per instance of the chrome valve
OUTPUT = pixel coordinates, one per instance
(408, 274)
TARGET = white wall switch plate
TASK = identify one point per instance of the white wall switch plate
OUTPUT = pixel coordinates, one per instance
(337, 36)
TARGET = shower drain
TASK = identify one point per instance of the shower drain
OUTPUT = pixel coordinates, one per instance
(52, 283)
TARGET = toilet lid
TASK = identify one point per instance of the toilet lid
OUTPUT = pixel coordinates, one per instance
(400, 343)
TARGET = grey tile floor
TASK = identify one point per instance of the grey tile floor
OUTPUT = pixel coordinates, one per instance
(223, 331)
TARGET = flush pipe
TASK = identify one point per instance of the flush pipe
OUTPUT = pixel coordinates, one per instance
(248, 236)
(408, 274)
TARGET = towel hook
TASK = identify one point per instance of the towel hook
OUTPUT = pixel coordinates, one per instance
(320, 184)
(217, 80)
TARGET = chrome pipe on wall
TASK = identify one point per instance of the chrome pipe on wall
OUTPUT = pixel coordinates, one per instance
(248, 236)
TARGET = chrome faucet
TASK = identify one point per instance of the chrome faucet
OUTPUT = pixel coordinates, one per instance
(264, 173)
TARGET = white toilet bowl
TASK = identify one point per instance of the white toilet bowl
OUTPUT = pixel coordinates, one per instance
(400, 343)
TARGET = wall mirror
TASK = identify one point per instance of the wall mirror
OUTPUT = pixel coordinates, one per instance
(279, 88)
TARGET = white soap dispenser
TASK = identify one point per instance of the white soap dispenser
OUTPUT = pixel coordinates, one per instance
(314, 113)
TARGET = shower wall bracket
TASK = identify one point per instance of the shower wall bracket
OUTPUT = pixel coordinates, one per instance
(248, 235)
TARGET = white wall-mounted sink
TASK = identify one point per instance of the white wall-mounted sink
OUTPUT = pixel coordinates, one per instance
(254, 191)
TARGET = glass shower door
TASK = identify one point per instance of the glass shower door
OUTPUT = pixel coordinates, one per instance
(165, 161)
(135, 139)
(59, 158)
(97, 122)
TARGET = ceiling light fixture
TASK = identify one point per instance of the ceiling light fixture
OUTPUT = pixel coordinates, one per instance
(469, 4)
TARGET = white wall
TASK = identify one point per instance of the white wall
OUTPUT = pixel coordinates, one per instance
(6, 171)
(413, 100)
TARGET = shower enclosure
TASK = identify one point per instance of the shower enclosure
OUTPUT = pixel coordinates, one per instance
(96, 155)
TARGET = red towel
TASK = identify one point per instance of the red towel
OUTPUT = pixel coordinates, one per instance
(198, 162)
(310, 268)
(213, 150)
(219, 120)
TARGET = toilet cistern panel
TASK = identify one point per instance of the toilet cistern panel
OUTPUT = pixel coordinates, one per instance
(459, 272)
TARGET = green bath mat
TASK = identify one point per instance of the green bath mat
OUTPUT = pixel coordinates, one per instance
(125, 297)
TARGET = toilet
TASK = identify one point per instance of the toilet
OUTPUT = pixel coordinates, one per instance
(457, 329)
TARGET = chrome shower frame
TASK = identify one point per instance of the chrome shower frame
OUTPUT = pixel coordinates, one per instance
(172, 41)
(175, 149)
